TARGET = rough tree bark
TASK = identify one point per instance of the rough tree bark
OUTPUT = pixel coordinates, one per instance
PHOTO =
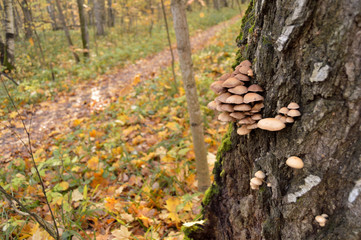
(51, 11)
(27, 19)
(110, 17)
(66, 30)
(308, 52)
(84, 28)
(9, 57)
(195, 115)
(98, 15)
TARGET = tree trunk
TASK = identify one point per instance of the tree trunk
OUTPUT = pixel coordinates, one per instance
(84, 28)
(216, 4)
(99, 17)
(223, 3)
(186, 65)
(27, 19)
(111, 19)
(66, 30)
(9, 59)
(50, 9)
(308, 52)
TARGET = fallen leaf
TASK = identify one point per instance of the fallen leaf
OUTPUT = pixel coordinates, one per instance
(122, 233)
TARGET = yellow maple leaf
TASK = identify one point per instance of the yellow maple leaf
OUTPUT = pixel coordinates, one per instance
(171, 206)
(201, 15)
(136, 79)
(93, 163)
(122, 233)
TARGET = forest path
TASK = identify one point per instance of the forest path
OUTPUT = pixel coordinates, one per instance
(51, 117)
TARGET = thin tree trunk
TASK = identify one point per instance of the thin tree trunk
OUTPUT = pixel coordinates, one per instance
(27, 19)
(170, 48)
(186, 65)
(9, 60)
(111, 17)
(66, 30)
(216, 4)
(50, 9)
(84, 28)
(307, 52)
(99, 17)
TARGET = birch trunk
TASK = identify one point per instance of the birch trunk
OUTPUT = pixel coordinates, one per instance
(308, 52)
(66, 30)
(83, 28)
(186, 65)
(9, 59)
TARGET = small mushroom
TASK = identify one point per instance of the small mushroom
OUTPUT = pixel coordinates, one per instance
(289, 120)
(237, 115)
(246, 121)
(256, 181)
(244, 69)
(242, 77)
(295, 162)
(224, 117)
(235, 99)
(212, 105)
(239, 90)
(231, 82)
(252, 126)
(269, 184)
(243, 130)
(283, 110)
(217, 87)
(321, 220)
(271, 124)
(224, 77)
(223, 97)
(257, 116)
(227, 107)
(293, 113)
(245, 63)
(255, 88)
(254, 186)
(250, 72)
(242, 107)
(260, 175)
(252, 97)
(293, 105)
(257, 107)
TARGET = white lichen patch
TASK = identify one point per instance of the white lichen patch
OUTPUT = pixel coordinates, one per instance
(285, 36)
(355, 192)
(320, 72)
(310, 182)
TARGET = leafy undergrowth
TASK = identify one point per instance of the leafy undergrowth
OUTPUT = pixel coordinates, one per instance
(127, 171)
(113, 50)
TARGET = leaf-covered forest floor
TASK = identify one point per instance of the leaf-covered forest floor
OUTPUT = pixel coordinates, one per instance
(116, 152)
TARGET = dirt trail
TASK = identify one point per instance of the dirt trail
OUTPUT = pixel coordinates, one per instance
(56, 115)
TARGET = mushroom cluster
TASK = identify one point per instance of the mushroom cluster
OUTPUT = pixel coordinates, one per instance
(321, 219)
(287, 114)
(239, 100)
(257, 180)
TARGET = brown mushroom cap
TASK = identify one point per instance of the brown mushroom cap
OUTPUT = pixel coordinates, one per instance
(243, 130)
(254, 186)
(242, 77)
(283, 110)
(227, 107)
(250, 72)
(259, 174)
(223, 97)
(295, 162)
(256, 181)
(238, 90)
(245, 63)
(224, 117)
(212, 105)
(231, 82)
(293, 113)
(257, 107)
(257, 116)
(242, 107)
(252, 97)
(244, 69)
(293, 105)
(289, 120)
(246, 121)
(217, 87)
(255, 88)
(271, 124)
(237, 115)
(252, 126)
(224, 77)
(235, 99)
(320, 219)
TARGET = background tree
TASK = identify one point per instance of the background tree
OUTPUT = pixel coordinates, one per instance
(308, 52)
(186, 65)
(84, 28)
(9, 50)
(99, 16)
